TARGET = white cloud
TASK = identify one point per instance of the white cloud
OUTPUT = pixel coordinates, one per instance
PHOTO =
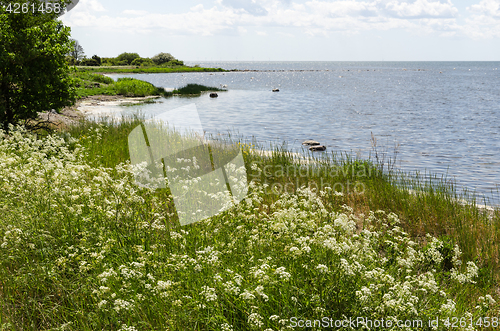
(422, 9)
(135, 12)
(485, 21)
(251, 7)
(90, 5)
(487, 8)
(314, 17)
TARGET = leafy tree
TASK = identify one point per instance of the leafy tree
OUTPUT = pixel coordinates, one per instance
(128, 57)
(77, 52)
(162, 58)
(141, 61)
(89, 62)
(34, 74)
(97, 59)
(175, 63)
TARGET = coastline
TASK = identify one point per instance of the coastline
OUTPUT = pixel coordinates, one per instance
(89, 105)
(135, 69)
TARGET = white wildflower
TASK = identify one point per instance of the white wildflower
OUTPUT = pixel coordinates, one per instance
(255, 319)
(282, 273)
(322, 268)
(208, 293)
(247, 295)
(122, 304)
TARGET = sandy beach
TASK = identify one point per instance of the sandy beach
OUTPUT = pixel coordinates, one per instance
(91, 106)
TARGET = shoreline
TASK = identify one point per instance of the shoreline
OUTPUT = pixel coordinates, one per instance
(86, 106)
(155, 70)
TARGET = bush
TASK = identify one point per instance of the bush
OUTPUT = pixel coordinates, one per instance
(142, 62)
(163, 58)
(97, 59)
(108, 61)
(135, 88)
(89, 62)
(174, 63)
(71, 60)
(194, 89)
(127, 58)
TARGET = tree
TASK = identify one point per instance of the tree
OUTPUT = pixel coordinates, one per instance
(127, 58)
(77, 52)
(89, 63)
(140, 61)
(97, 59)
(34, 74)
(162, 58)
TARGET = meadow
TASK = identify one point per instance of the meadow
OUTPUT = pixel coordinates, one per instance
(315, 244)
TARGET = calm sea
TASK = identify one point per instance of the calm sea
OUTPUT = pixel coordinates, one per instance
(445, 116)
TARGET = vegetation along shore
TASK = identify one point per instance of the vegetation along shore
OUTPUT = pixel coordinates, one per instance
(335, 237)
(312, 245)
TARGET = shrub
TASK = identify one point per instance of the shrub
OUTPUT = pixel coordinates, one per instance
(97, 59)
(141, 61)
(194, 89)
(127, 58)
(174, 63)
(89, 62)
(163, 58)
(109, 61)
(134, 87)
(71, 60)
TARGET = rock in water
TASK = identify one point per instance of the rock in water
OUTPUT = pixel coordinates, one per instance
(310, 143)
(317, 148)
(213, 95)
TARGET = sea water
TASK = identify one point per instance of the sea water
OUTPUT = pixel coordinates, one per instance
(443, 117)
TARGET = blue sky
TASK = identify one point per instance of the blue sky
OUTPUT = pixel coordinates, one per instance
(291, 30)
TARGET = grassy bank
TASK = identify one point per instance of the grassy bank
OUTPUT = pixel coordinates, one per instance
(333, 238)
(88, 84)
(136, 69)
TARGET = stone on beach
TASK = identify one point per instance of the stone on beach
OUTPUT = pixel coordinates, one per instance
(317, 148)
(310, 143)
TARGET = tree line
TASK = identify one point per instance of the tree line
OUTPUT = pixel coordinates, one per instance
(77, 57)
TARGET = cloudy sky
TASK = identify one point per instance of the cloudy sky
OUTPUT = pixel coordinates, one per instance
(291, 30)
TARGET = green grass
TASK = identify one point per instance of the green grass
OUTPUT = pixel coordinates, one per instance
(135, 87)
(83, 248)
(89, 84)
(194, 89)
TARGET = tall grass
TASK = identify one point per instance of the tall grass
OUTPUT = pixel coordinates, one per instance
(425, 204)
(84, 248)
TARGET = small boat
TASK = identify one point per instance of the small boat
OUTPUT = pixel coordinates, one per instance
(276, 89)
